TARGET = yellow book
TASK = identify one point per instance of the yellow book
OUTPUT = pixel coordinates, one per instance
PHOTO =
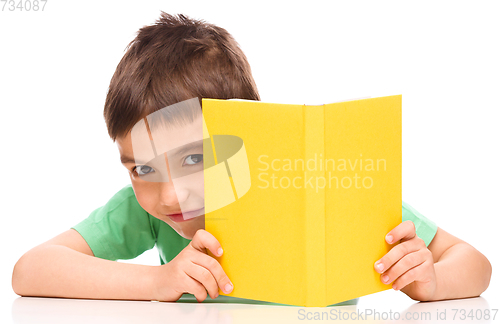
(301, 197)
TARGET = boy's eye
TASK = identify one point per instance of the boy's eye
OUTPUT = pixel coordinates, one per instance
(143, 169)
(193, 159)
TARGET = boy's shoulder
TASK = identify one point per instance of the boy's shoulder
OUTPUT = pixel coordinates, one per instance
(126, 192)
(119, 230)
(124, 195)
(121, 209)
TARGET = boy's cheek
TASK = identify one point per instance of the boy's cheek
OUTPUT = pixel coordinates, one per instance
(144, 195)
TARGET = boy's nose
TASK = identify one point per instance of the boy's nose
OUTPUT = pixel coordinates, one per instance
(170, 195)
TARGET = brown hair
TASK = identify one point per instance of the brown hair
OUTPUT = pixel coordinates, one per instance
(175, 59)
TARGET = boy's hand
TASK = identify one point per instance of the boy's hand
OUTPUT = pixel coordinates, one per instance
(193, 271)
(408, 265)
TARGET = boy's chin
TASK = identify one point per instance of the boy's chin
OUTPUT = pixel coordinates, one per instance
(187, 234)
(190, 231)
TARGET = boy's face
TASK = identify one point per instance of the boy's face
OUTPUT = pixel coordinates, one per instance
(170, 185)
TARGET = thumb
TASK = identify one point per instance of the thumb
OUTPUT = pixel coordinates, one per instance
(203, 240)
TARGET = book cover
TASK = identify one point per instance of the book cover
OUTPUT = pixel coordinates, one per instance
(301, 197)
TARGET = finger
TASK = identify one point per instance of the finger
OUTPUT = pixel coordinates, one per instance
(406, 263)
(197, 289)
(397, 252)
(404, 231)
(204, 240)
(205, 277)
(215, 269)
(415, 274)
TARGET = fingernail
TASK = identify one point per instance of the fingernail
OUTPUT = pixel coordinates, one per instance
(385, 278)
(379, 266)
(388, 238)
(219, 251)
(228, 288)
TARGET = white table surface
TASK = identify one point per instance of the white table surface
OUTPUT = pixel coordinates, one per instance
(389, 304)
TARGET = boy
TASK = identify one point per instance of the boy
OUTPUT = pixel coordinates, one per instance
(168, 63)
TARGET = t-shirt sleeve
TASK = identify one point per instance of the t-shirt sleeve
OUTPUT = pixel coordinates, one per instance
(425, 228)
(119, 230)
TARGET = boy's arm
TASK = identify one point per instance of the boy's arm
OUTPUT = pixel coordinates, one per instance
(461, 270)
(66, 267)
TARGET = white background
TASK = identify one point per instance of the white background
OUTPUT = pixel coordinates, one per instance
(58, 163)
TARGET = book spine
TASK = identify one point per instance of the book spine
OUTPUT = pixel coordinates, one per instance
(314, 185)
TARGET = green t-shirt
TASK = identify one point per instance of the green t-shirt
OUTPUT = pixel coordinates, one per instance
(122, 230)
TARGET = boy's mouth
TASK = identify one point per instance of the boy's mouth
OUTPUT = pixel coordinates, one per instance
(186, 216)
